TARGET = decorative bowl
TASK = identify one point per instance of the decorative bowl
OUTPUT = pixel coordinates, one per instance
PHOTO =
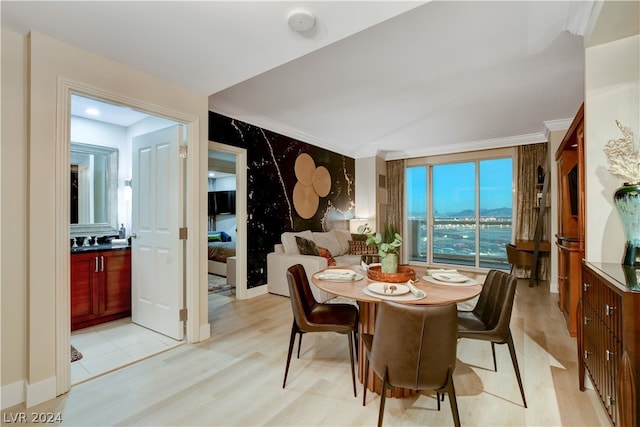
(403, 275)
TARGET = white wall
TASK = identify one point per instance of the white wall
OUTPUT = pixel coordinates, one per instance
(555, 139)
(36, 265)
(13, 226)
(612, 93)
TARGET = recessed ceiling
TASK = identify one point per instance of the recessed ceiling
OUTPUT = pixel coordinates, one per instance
(107, 113)
(392, 78)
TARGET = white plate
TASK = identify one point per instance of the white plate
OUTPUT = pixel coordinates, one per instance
(379, 288)
(450, 277)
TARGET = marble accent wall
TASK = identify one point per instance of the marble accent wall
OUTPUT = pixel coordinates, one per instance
(272, 180)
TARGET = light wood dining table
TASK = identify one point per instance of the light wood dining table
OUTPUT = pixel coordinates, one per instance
(436, 294)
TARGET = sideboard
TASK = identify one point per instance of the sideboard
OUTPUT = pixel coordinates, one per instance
(609, 337)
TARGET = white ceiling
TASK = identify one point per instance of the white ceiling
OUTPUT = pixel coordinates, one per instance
(397, 79)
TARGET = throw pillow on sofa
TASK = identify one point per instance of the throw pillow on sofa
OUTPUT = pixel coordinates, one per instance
(358, 247)
(307, 247)
(325, 253)
(288, 240)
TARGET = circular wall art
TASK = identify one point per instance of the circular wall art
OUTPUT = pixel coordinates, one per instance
(313, 183)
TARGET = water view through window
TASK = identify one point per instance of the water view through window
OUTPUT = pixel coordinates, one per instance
(469, 207)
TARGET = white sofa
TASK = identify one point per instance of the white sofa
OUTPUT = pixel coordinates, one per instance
(287, 254)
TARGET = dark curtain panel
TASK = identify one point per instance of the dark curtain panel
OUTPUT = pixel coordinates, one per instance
(395, 195)
(529, 158)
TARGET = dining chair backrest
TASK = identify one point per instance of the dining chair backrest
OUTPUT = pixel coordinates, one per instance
(415, 344)
(302, 300)
(495, 303)
(517, 257)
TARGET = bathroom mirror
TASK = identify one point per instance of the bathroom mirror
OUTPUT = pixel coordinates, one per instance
(94, 190)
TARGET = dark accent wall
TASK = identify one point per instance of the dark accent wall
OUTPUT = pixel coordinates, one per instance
(271, 179)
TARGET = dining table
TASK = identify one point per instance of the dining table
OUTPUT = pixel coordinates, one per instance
(359, 289)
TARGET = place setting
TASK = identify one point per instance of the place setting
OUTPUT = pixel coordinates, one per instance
(338, 275)
(449, 278)
(394, 291)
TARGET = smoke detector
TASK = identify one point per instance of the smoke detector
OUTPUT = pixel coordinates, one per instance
(301, 21)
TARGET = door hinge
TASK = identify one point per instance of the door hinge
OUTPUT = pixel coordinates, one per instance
(182, 233)
(184, 151)
(183, 314)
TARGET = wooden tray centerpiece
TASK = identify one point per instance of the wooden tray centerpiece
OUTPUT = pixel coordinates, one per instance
(403, 275)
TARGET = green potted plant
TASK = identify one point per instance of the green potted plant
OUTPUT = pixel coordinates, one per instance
(388, 245)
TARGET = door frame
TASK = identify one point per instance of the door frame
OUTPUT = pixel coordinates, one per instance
(241, 215)
(194, 293)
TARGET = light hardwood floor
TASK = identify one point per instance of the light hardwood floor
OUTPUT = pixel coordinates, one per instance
(235, 379)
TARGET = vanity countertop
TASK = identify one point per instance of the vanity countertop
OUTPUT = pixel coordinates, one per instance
(100, 247)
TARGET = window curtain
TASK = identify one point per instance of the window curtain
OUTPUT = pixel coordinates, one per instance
(395, 195)
(529, 158)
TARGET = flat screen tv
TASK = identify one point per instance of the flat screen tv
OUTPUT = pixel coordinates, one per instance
(222, 202)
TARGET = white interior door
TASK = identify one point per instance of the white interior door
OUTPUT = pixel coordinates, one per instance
(157, 253)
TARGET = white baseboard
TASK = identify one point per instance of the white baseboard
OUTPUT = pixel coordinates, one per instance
(205, 331)
(12, 394)
(40, 392)
(256, 291)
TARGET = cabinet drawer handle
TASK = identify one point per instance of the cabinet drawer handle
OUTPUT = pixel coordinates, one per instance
(96, 270)
(608, 309)
(608, 355)
(586, 320)
(585, 287)
(586, 354)
(101, 263)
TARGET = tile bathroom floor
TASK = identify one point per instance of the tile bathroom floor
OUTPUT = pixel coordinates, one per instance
(112, 345)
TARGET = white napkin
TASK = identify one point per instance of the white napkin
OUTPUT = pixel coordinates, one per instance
(415, 291)
(364, 265)
(346, 276)
(441, 271)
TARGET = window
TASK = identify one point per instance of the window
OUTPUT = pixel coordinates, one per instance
(460, 213)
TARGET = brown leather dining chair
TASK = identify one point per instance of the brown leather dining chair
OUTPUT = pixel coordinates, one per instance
(490, 318)
(312, 316)
(414, 347)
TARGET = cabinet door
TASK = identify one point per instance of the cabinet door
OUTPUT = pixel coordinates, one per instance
(84, 282)
(115, 289)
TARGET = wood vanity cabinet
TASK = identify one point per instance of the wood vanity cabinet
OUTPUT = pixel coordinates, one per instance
(570, 237)
(609, 337)
(100, 287)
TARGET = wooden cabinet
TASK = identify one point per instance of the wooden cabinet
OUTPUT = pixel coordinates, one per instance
(569, 256)
(570, 237)
(609, 337)
(100, 287)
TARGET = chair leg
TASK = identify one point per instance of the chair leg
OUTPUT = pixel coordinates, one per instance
(355, 340)
(512, 351)
(438, 399)
(383, 397)
(366, 380)
(299, 345)
(353, 371)
(294, 330)
(493, 352)
(452, 400)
